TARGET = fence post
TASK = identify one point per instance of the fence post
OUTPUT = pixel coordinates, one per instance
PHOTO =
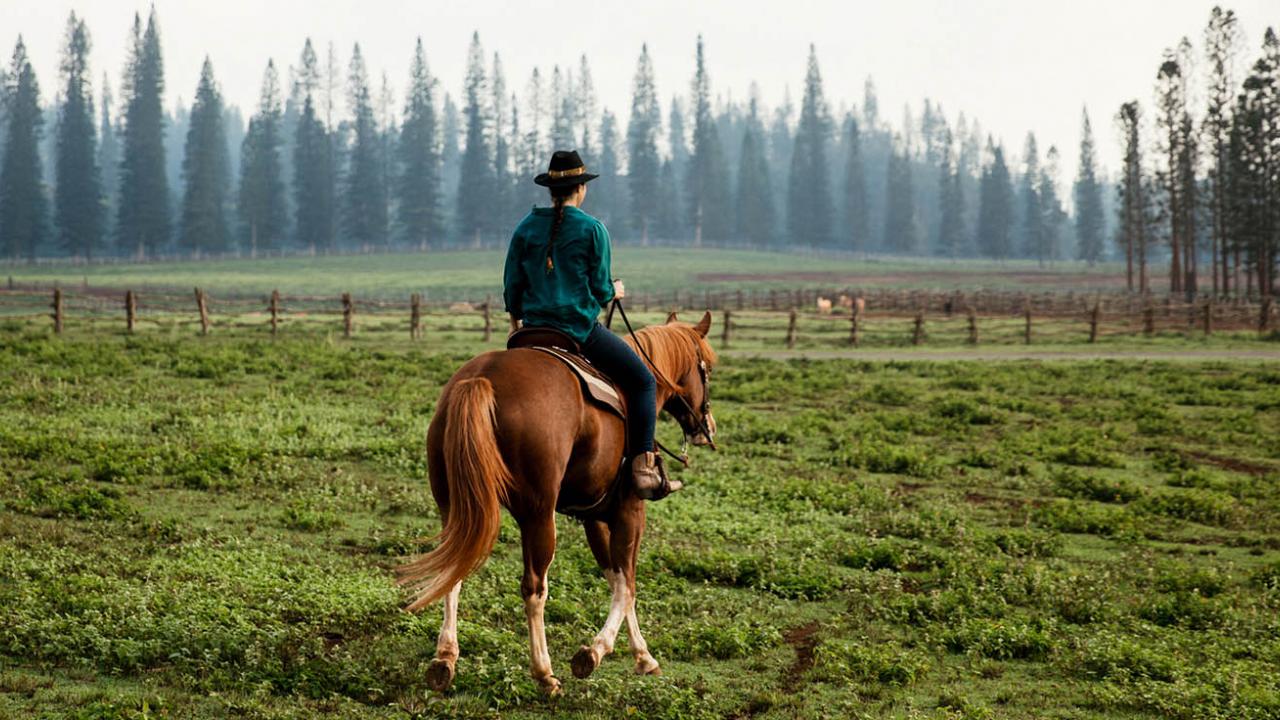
(202, 307)
(1148, 319)
(1208, 317)
(1026, 332)
(728, 327)
(275, 311)
(739, 298)
(348, 315)
(488, 319)
(973, 326)
(130, 308)
(10, 282)
(57, 311)
(773, 298)
(1264, 318)
(415, 316)
(1094, 316)
(917, 334)
(855, 317)
(791, 329)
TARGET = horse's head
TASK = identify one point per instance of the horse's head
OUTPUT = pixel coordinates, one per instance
(690, 400)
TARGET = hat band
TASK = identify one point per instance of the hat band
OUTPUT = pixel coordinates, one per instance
(557, 174)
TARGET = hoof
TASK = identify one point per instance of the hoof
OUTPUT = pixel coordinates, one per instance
(550, 686)
(584, 662)
(440, 675)
(648, 666)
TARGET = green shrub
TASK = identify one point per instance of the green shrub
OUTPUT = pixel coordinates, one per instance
(1185, 609)
(1000, 639)
(1073, 483)
(1203, 506)
(866, 661)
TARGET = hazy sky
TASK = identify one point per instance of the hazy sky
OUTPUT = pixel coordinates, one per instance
(1016, 65)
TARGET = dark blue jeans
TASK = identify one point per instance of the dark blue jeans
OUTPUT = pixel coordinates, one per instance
(616, 359)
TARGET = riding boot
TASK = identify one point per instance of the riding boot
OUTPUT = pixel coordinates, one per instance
(650, 478)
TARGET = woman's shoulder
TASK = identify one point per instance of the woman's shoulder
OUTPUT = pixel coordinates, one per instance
(587, 219)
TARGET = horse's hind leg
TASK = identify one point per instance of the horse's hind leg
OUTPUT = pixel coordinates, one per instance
(538, 538)
(627, 528)
(589, 656)
(440, 673)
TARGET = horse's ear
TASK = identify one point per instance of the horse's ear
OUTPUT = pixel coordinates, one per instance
(671, 317)
(704, 325)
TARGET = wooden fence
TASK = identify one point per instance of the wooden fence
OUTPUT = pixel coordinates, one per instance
(753, 318)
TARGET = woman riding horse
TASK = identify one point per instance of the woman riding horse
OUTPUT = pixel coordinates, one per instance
(513, 429)
(558, 276)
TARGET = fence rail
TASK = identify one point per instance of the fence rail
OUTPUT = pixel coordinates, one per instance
(769, 317)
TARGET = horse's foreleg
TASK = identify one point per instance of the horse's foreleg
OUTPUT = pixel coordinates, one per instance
(538, 537)
(440, 673)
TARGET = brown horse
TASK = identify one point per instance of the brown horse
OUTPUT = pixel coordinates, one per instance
(513, 430)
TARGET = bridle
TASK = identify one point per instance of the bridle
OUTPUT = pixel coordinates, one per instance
(704, 374)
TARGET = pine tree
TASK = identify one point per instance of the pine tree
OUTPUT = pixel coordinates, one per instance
(642, 148)
(950, 198)
(1032, 218)
(78, 194)
(476, 179)
(585, 107)
(755, 203)
(564, 110)
(108, 154)
(856, 216)
(809, 212)
(23, 205)
(142, 219)
(1255, 171)
(781, 144)
(901, 227)
(365, 218)
(1222, 42)
(263, 213)
(995, 209)
(503, 189)
(420, 220)
(610, 204)
(675, 225)
(1090, 218)
(450, 159)
(708, 174)
(313, 179)
(1052, 216)
(206, 172)
(1132, 231)
(1171, 107)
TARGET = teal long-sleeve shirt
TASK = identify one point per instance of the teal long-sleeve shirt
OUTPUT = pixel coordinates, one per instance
(569, 297)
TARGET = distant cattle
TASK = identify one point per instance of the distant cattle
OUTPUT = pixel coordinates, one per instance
(824, 306)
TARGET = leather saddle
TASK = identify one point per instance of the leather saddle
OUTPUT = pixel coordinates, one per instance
(596, 386)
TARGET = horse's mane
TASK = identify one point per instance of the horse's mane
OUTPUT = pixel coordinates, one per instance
(672, 347)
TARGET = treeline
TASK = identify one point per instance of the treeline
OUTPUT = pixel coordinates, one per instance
(329, 161)
(1201, 184)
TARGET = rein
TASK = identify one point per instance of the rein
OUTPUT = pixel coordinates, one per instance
(703, 428)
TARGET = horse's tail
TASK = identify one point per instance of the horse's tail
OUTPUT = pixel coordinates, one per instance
(478, 481)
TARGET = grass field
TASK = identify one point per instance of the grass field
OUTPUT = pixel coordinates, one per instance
(472, 275)
(196, 528)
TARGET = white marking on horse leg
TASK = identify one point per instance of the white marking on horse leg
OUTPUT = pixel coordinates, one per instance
(539, 657)
(602, 644)
(645, 664)
(447, 645)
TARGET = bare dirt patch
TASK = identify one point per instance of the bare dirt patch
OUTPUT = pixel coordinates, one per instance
(805, 640)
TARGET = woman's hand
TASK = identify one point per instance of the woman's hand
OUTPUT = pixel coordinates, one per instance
(619, 290)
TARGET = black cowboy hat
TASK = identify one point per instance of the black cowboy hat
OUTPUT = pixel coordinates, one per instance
(566, 169)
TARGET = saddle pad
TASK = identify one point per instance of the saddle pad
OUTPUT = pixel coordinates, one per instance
(598, 387)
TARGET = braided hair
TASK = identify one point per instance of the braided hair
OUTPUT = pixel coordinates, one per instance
(558, 196)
